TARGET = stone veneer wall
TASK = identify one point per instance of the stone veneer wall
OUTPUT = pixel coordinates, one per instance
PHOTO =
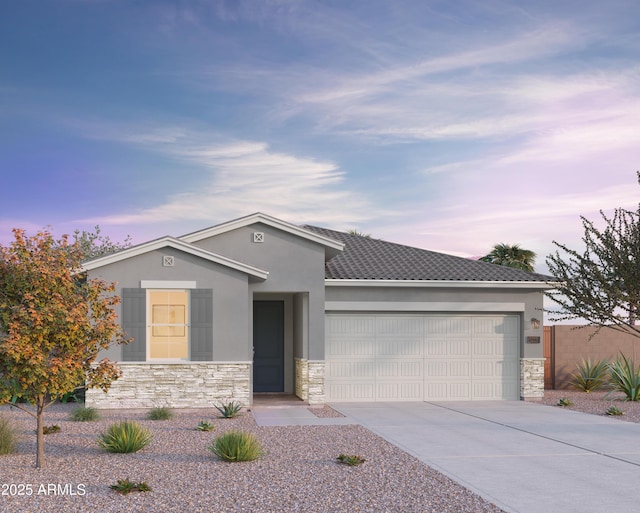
(302, 378)
(531, 377)
(310, 381)
(316, 382)
(188, 385)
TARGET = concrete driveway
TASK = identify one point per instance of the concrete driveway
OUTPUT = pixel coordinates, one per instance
(523, 457)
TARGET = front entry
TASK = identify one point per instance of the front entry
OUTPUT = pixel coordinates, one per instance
(268, 346)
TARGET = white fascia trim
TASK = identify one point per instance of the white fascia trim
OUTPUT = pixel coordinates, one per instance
(172, 242)
(440, 284)
(258, 217)
(415, 306)
(167, 284)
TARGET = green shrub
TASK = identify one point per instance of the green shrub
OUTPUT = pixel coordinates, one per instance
(124, 486)
(84, 414)
(203, 425)
(590, 375)
(49, 430)
(236, 446)
(564, 401)
(625, 377)
(8, 436)
(125, 437)
(229, 410)
(161, 413)
(351, 460)
(614, 410)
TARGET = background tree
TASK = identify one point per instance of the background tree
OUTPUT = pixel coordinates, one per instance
(358, 233)
(601, 284)
(511, 256)
(53, 323)
(94, 244)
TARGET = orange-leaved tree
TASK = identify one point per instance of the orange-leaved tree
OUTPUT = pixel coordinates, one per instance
(53, 323)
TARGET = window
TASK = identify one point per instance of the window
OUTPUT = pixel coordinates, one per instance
(168, 324)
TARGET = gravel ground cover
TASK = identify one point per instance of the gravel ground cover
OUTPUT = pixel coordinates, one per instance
(595, 403)
(299, 472)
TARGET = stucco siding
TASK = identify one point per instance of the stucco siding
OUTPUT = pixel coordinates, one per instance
(231, 328)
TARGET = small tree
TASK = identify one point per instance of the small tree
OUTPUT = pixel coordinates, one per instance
(53, 323)
(511, 255)
(601, 284)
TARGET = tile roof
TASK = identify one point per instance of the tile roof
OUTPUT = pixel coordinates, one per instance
(365, 258)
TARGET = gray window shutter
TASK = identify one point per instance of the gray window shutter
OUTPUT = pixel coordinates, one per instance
(134, 324)
(202, 325)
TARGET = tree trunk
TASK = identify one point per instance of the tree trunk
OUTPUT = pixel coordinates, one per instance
(40, 402)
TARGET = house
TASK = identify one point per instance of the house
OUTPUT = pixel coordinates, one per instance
(258, 304)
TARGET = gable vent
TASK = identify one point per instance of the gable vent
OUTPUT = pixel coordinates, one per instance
(168, 261)
(258, 236)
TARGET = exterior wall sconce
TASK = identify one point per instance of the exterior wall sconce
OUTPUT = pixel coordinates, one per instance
(535, 323)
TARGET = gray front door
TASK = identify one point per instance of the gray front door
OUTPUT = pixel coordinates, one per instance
(268, 346)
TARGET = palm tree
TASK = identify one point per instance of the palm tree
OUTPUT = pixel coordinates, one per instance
(511, 256)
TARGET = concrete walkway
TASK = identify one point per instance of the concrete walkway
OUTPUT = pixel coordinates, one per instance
(523, 457)
(288, 415)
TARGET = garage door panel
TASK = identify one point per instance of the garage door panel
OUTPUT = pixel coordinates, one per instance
(350, 347)
(447, 347)
(423, 357)
(393, 390)
(348, 369)
(398, 325)
(398, 348)
(351, 391)
(488, 347)
(450, 326)
(399, 369)
(358, 325)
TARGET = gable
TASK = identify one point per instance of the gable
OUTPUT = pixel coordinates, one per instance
(176, 244)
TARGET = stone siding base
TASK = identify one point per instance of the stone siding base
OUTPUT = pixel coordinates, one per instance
(531, 378)
(310, 381)
(193, 385)
(302, 379)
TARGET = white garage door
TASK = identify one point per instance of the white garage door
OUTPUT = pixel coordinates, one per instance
(430, 357)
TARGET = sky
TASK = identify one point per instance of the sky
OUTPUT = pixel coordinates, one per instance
(447, 125)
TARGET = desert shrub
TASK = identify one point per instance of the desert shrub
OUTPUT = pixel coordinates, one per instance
(84, 414)
(204, 425)
(160, 413)
(229, 410)
(564, 401)
(236, 446)
(8, 436)
(624, 377)
(49, 430)
(590, 375)
(614, 410)
(351, 460)
(124, 486)
(125, 437)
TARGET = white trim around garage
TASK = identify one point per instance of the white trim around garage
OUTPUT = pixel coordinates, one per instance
(414, 306)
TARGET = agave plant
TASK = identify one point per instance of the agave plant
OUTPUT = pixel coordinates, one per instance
(590, 375)
(229, 410)
(624, 377)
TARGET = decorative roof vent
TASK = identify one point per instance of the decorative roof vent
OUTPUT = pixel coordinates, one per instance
(258, 236)
(168, 261)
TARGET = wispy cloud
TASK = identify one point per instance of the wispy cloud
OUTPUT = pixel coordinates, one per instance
(243, 177)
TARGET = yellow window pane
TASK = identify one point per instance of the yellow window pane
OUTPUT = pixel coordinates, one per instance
(169, 330)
